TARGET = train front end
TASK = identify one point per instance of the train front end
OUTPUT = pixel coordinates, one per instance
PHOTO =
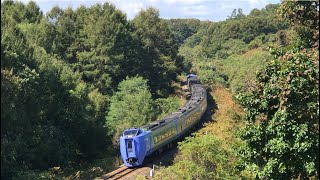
(134, 144)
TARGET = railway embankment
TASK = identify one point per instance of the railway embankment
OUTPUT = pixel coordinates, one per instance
(217, 133)
(221, 120)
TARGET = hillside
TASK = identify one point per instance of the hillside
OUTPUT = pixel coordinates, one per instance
(73, 79)
(222, 121)
(254, 57)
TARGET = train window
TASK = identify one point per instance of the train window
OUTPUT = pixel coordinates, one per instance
(130, 133)
(129, 146)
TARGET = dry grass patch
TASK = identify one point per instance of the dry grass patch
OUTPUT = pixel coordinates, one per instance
(226, 119)
(250, 53)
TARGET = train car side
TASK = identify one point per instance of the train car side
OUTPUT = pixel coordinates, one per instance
(164, 135)
(137, 143)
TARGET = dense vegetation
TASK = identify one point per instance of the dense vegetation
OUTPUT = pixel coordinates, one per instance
(279, 91)
(60, 75)
(282, 121)
(72, 80)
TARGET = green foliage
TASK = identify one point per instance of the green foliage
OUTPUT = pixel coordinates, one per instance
(183, 28)
(96, 41)
(209, 161)
(281, 132)
(160, 59)
(221, 39)
(232, 46)
(19, 12)
(208, 71)
(236, 14)
(133, 106)
(282, 126)
(52, 117)
(130, 106)
(264, 41)
(165, 106)
(241, 70)
(59, 71)
(219, 52)
(211, 74)
(237, 71)
(282, 118)
(303, 16)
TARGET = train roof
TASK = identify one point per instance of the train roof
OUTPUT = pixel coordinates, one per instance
(198, 93)
(188, 107)
(191, 75)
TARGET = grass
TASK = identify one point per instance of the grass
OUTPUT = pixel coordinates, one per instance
(223, 122)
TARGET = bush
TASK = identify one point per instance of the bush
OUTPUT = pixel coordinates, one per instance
(209, 161)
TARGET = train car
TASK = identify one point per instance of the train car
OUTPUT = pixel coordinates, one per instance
(137, 143)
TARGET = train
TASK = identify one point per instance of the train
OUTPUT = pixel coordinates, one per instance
(138, 143)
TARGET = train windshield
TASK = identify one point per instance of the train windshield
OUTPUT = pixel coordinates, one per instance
(130, 146)
(130, 133)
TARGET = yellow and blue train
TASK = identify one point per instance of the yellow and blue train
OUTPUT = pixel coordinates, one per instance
(137, 143)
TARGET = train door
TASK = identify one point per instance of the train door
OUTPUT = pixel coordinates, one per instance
(130, 147)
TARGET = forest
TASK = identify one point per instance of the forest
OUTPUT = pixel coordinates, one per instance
(73, 79)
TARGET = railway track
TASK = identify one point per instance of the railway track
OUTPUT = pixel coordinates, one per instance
(118, 173)
(122, 173)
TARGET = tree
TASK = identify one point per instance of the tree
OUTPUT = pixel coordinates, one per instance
(33, 12)
(183, 28)
(50, 116)
(236, 14)
(255, 12)
(165, 106)
(233, 14)
(303, 16)
(159, 50)
(282, 126)
(130, 106)
(240, 13)
(104, 51)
